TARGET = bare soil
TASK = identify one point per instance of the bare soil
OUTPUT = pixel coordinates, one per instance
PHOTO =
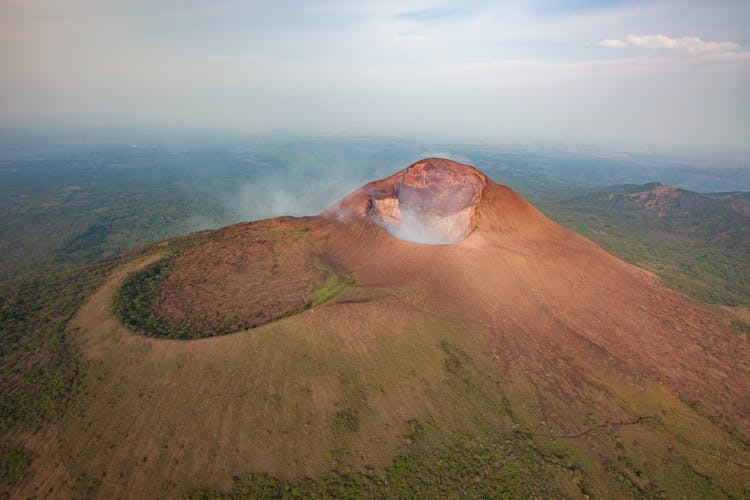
(245, 276)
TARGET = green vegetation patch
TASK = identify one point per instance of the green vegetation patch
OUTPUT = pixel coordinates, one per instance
(13, 463)
(741, 326)
(353, 402)
(473, 468)
(455, 358)
(331, 287)
(136, 297)
(40, 366)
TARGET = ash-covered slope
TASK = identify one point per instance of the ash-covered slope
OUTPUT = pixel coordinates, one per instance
(519, 360)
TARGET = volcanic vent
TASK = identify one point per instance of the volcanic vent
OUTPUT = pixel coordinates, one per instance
(434, 201)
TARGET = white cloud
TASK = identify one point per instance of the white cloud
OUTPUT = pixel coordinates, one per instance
(692, 44)
(409, 38)
(619, 44)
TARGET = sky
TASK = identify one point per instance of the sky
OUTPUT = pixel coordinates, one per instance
(664, 73)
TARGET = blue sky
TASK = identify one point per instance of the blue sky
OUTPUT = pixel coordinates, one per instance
(664, 73)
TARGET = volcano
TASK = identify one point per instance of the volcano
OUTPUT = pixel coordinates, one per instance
(432, 334)
(434, 201)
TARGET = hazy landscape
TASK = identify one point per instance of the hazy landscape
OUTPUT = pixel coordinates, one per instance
(69, 208)
(375, 250)
(92, 197)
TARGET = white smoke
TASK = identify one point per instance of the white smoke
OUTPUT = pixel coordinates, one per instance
(419, 227)
(265, 200)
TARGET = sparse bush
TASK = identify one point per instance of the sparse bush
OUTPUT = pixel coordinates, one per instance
(136, 297)
(40, 367)
(741, 326)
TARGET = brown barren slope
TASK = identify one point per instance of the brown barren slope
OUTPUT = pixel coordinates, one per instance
(518, 267)
(246, 276)
(521, 331)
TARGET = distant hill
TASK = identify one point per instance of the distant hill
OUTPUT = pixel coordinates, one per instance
(697, 243)
(723, 217)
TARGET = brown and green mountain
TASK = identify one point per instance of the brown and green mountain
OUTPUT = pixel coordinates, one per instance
(335, 356)
(721, 217)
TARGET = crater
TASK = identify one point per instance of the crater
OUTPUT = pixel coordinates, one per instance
(242, 276)
(434, 201)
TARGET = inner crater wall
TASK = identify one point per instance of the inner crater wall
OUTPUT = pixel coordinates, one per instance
(432, 202)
